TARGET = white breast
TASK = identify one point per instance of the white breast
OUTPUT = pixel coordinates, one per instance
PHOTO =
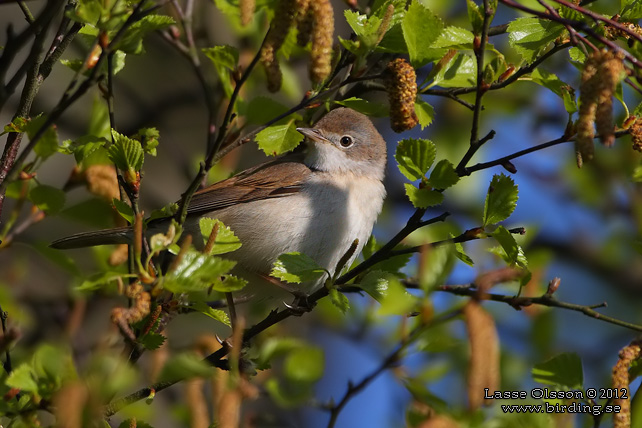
(321, 221)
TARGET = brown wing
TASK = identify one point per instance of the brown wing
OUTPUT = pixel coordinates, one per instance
(275, 179)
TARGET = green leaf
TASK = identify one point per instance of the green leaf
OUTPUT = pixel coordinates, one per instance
(637, 174)
(375, 283)
(420, 28)
(438, 264)
(514, 253)
(165, 212)
(366, 28)
(296, 267)
(152, 341)
(197, 272)
(558, 87)
(454, 38)
(132, 41)
(277, 139)
(225, 58)
(501, 199)
(475, 16)
(215, 314)
(415, 157)
(304, 364)
(461, 254)
(126, 153)
(396, 300)
(577, 55)
(185, 366)
(461, 70)
(52, 366)
(124, 210)
(229, 283)
(47, 198)
(47, 145)
(148, 138)
(443, 175)
(100, 279)
(366, 107)
(631, 10)
(564, 370)
(425, 112)
(339, 300)
(423, 198)
(531, 36)
(226, 241)
(22, 377)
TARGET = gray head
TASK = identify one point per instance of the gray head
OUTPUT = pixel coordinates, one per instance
(346, 141)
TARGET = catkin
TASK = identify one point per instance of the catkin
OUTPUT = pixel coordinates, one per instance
(272, 69)
(247, 11)
(322, 35)
(602, 72)
(304, 24)
(627, 356)
(610, 73)
(401, 85)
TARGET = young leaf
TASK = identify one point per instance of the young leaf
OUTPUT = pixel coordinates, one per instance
(22, 377)
(215, 314)
(443, 175)
(501, 199)
(47, 198)
(423, 198)
(148, 138)
(420, 28)
(126, 153)
(366, 28)
(226, 241)
(228, 284)
(277, 139)
(185, 366)
(100, 279)
(396, 300)
(47, 145)
(461, 254)
(339, 300)
(531, 36)
(461, 70)
(424, 111)
(564, 370)
(514, 253)
(296, 267)
(124, 210)
(375, 283)
(132, 41)
(304, 364)
(225, 58)
(557, 86)
(366, 107)
(152, 341)
(415, 157)
(197, 272)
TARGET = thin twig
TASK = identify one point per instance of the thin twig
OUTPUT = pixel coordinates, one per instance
(389, 362)
(544, 300)
(482, 87)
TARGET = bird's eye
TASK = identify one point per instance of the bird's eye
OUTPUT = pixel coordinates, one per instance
(346, 141)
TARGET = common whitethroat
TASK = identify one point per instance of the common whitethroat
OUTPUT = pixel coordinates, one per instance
(316, 203)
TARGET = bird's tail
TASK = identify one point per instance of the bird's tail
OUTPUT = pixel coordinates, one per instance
(118, 235)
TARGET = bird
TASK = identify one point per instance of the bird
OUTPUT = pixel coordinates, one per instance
(317, 202)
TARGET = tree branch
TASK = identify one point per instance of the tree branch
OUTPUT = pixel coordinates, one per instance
(544, 300)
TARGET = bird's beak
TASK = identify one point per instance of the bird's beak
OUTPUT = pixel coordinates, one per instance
(313, 134)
